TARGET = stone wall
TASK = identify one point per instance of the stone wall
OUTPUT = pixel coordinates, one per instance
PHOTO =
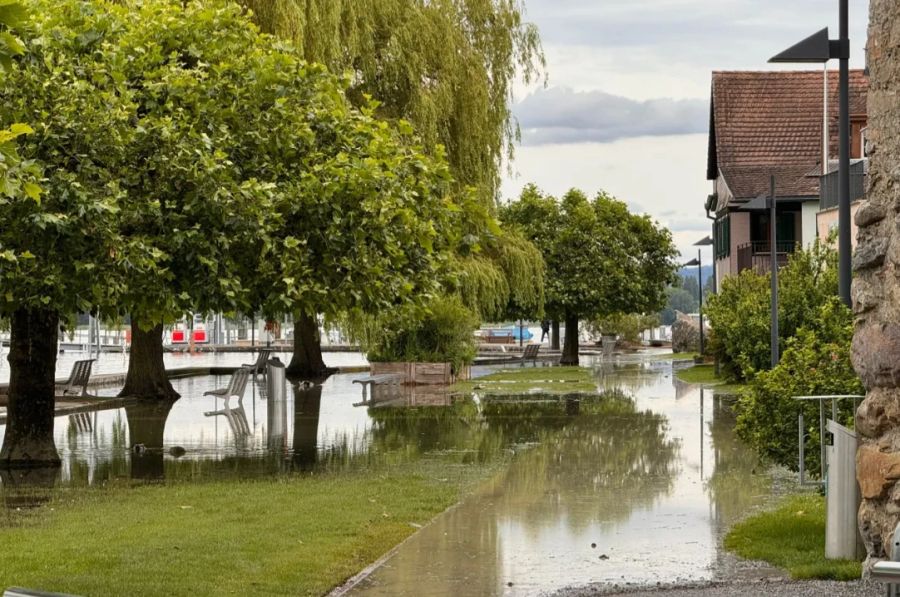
(876, 291)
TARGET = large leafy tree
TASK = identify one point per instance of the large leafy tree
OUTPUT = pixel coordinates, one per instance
(60, 247)
(199, 73)
(448, 68)
(365, 224)
(601, 259)
(16, 178)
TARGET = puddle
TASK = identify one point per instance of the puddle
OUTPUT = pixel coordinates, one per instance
(634, 485)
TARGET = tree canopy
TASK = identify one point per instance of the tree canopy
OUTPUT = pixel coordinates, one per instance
(447, 66)
(65, 251)
(601, 259)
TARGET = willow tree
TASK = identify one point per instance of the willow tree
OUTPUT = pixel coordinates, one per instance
(601, 259)
(61, 251)
(446, 66)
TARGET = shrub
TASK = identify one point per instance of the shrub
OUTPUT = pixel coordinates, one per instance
(441, 332)
(816, 362)
(739, 314)
(627, 326)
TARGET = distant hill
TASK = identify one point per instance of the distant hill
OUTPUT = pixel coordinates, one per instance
(686, 272)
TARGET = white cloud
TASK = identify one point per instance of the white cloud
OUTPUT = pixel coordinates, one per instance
(561, 115)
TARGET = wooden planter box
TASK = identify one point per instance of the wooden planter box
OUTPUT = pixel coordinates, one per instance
(423, 374)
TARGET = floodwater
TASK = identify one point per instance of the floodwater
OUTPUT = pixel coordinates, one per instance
(633, 485)
(632, 490)
(117, 362)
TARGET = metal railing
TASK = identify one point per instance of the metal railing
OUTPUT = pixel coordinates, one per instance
(801, 429)
(828, 185)
(756, 255)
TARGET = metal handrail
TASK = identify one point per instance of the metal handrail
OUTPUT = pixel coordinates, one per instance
(822, 429)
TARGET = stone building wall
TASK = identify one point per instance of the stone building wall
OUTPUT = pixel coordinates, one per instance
(876, 291)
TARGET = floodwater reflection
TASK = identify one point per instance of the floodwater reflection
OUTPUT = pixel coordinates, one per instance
(634, 488)
(632, 484)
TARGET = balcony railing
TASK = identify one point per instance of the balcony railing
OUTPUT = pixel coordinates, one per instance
(829, 190)
(757, 255)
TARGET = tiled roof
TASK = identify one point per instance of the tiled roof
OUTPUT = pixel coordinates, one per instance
(764, 123)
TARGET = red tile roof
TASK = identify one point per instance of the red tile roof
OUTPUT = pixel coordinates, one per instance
(770, 122)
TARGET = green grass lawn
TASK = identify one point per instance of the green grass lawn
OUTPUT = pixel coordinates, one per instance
(706, 375)
(550, 380)
(791, 537)
(291, 536)
(677, 356)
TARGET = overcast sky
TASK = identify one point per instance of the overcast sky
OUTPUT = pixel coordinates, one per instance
(626, 108)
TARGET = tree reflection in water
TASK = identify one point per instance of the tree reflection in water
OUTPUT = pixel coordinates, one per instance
(620, 455)
(739, 477)
(146, 428)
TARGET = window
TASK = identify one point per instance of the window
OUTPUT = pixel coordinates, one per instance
(723, 237)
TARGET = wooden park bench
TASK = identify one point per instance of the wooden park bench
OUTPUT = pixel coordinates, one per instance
(530, 354)
(498, 336)
(78, 378)
(370, 381)
(236, 417)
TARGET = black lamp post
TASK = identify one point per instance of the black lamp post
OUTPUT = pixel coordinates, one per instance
(819, 48)
(699, 265)
(769, 203)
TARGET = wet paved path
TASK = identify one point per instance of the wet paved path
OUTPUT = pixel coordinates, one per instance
(816, 588)
(638, 495)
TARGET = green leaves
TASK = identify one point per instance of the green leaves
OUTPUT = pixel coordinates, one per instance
(601, 259)
(740, 314)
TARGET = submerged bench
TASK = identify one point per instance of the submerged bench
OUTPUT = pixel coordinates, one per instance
(260, 365)
(78, 378)
(370, 381)
(236, 416)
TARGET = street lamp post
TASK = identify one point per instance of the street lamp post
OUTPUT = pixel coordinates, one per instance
(770, 203)
(819, 48)
(773, 214)
(705, 242)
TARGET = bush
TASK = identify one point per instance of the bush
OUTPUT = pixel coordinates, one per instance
(627, 326)
(739, 314)
(441, 332)
(816, 362)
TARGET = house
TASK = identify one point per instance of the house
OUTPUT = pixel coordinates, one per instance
(765, 124)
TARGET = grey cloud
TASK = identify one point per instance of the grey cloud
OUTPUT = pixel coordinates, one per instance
(561, 115)
(733, 33)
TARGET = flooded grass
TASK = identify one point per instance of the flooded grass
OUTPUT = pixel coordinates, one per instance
(791, 537)
(545, 380)
(295, 535)
(706, 375)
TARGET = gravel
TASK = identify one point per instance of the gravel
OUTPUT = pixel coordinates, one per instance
(773, 588)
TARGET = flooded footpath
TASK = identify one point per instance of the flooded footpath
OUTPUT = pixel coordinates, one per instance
(636, 489)
(633, 485)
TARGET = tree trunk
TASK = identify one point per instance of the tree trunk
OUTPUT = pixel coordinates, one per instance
(307, 361)
(570, 348)
(146, 377)
(554, 335)
(307, 401)
(146, 429)
(28, 442)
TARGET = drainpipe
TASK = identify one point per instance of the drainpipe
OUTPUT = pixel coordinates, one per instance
(715, 236)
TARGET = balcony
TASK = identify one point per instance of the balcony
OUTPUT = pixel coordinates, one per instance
(829, 190)
(757, 255)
